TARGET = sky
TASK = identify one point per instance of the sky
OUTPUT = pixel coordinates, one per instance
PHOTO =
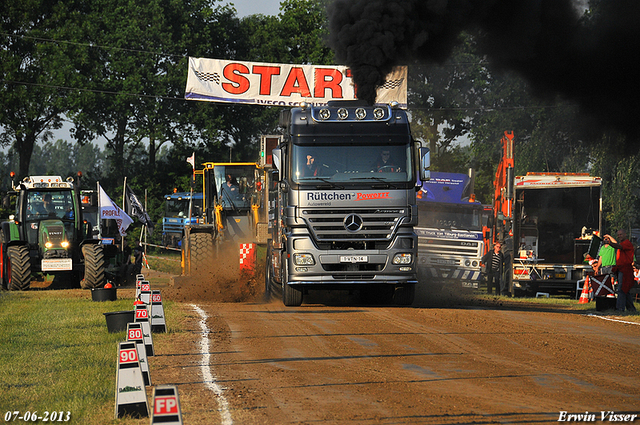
(252, 7)
(243, 8)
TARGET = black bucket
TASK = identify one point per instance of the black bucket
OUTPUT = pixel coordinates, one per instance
(605, 303)
(104, 294)
(117, 320)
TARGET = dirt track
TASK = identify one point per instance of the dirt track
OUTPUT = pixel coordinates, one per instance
(463, 363)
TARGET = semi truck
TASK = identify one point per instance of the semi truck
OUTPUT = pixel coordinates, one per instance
(450, 237)
(181, 208)
(343, 203)
(547, 222)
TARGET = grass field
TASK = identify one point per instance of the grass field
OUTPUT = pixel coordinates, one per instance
(57, 355)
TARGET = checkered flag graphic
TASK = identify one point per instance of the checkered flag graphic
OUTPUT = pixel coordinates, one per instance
(392, 84)
(208, 76)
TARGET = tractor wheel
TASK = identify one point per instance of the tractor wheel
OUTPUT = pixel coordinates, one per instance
(202, 252)
(94, 267)
(19, 272)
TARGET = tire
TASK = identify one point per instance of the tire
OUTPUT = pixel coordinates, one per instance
(404, 294)
(268, 274)
(202, 252)
(94, 267)
(291, 296)
(19, 270)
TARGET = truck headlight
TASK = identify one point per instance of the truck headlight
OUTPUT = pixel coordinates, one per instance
(65, 244)
(402, 258)
(303, 260)
(467, 263)
(48, 245)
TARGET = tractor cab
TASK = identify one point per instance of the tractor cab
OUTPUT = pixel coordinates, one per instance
(49, 210)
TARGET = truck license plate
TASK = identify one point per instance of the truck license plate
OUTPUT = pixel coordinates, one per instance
(354, 259)
(57, 264)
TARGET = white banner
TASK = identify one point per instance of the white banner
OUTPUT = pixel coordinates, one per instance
(259, 83)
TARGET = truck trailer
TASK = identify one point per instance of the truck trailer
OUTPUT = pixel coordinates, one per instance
(555, 218)
(343, 206)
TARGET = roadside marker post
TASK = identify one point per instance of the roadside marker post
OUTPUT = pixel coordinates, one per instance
(142, 317)
(145, 292)
(158, 323)
(134, 334)
(139, 280)
(131, 396)
(166, 405)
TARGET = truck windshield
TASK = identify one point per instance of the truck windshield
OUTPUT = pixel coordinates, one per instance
(180, 207)
(50, 204)
(351, 163)
(450, 216)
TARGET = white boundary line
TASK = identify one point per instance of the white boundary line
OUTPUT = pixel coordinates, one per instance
(613, 320)
(207, 376)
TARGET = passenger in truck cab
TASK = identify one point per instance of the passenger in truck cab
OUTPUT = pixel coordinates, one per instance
(384, 164)
(311, 168)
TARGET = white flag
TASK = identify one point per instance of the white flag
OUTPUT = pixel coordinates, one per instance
(192, 160)
(109, 210)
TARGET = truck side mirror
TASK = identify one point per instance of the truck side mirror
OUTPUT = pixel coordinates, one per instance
(277, 161)
(425, 164)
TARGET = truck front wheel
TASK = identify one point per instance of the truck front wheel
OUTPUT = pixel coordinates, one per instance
(19, 272)
(94, 267)
(404, 294)
(291, 296)
(268, 274)
(201, 255)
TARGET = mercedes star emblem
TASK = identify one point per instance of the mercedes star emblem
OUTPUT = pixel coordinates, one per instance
(353, 222)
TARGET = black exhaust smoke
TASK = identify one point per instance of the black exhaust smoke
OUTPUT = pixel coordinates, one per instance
(588, 59)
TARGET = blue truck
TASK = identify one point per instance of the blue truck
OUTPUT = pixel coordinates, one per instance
(450, 238)
(180, 210)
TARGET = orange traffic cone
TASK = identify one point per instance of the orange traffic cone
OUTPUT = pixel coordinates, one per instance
(585, 296)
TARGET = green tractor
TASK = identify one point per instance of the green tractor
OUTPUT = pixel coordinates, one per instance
(47, 235)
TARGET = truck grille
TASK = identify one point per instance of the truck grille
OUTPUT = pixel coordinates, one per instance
(55, 234)
(366, 224)
(449, 248)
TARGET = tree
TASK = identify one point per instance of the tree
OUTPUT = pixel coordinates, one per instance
(36, 73)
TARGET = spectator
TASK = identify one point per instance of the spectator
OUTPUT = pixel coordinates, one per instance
(606, 259)
(494, 263)
(138, 255)
(624, 269)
